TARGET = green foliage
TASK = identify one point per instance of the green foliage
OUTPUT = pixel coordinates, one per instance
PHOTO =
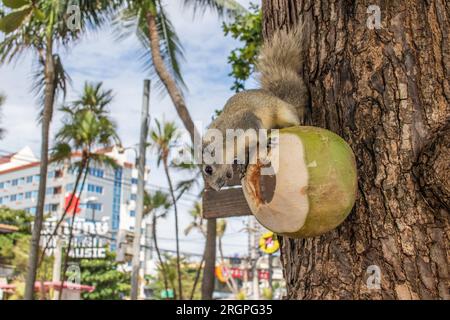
(247, 28)
(188, 272)
(87, 126)
(163, 137)
(110, 283)
(14, 246)
(156, 201)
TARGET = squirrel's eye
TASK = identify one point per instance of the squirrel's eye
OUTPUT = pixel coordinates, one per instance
(235, 162)
(208, 170)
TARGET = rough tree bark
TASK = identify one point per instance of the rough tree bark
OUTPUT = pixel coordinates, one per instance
(386, 91)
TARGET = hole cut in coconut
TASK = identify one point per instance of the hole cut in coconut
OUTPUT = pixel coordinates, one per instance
(278, 203)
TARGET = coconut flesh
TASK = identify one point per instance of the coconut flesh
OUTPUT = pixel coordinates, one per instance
(313, 187)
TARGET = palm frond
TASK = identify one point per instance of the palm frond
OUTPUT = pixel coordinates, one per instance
(171, 47)
(132, 21)
(62, 78)
(61, 151)
(228, 8)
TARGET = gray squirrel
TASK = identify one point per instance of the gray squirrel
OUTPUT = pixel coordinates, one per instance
(279, 103)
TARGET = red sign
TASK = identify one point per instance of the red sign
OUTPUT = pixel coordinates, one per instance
(263, 275)
(72, 204)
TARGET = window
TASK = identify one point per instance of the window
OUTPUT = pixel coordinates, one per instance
(58, 173)
(33, 210)
(49, 191)
(13, 197)
(51, 174)
(1, 200)
(132, 213)
(96, 172)
(36, 178)
(94, 188)
(20, 196)
(21, 181)
(69, 187)
(57, 190)
(5, 199)
(29, 179)
(51, 207)
(2, 185)
(134, 181)
(28, 195)
(14, 182)
(133, 196)
(34, 194)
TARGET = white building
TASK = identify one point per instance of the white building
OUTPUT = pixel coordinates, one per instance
(109, 194)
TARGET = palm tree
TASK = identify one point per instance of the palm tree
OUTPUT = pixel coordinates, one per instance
(163, 138)
(158, 201)
(161, 45)
(86, 128)
(39, 27)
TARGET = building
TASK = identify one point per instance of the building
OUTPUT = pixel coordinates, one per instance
(109, 194)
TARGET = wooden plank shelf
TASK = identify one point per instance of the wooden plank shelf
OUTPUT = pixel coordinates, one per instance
(228, 202)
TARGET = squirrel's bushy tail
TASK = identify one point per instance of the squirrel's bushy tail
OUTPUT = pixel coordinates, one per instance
(280, 66)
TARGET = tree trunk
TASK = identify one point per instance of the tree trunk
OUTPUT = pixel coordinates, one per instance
(177, 240)
(386, 91)
(208, 279)
(167, 79)
(49, 99)
(158, 253)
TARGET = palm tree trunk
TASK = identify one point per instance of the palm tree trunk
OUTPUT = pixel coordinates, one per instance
(158, 253)
(197, 277)
(210, 261)
(167, 79)
(386, 91)
(84, 168)
(172, 194)
(49, 99)
(63, 216)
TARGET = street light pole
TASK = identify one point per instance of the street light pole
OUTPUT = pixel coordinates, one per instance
(140, 192)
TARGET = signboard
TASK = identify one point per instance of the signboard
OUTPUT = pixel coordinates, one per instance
(89, 239)
(268, 243)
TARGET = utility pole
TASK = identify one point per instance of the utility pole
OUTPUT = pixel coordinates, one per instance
(254, 257)
(140, 192)
(56, 277)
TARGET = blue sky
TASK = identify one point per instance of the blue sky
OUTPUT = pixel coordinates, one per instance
(100, 57)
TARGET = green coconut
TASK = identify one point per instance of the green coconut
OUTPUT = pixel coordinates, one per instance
(313, 187)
